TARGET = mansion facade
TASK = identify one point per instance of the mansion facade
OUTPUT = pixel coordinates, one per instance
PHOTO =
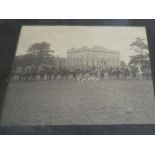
(98, 57)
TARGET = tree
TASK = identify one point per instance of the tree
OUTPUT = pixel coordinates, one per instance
(39, 53)
(122, 64)
(136, 59)
(139, 46)
(40, 49)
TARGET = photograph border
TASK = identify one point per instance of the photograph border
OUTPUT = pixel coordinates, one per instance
(9, 35)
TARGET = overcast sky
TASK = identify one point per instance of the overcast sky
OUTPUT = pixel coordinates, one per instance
(63, 38)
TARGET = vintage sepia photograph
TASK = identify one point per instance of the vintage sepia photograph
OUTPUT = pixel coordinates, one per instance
(80, 75)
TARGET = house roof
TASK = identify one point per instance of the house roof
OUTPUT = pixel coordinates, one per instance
(93, 49)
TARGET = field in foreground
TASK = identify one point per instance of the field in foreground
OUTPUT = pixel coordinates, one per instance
(72, 102)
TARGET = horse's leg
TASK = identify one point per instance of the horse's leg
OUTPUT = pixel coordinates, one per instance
(50, 76)
(54, 77)
(33, 77)
(42, 76)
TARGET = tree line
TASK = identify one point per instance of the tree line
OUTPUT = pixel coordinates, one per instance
(41, 53)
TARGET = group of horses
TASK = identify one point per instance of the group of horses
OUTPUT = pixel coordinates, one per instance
(47, 72)
(124, 73)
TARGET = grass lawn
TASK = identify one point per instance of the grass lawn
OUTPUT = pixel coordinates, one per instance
(72, 102)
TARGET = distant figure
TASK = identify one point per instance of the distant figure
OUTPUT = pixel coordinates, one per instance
(140, 73)
(102, 72)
